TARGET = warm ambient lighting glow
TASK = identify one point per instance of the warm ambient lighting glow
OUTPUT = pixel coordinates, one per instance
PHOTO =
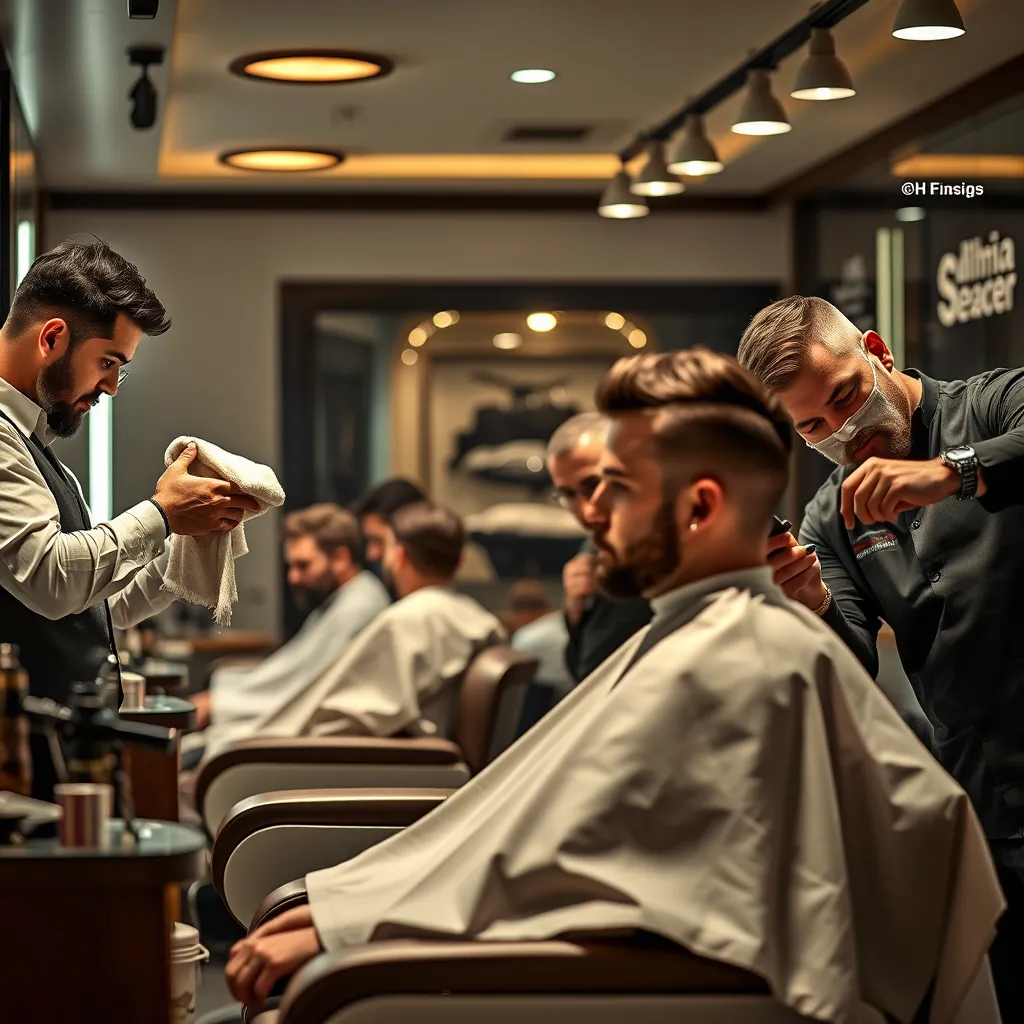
(446, 318)
(542, 322)
(616, 321)
(532, 76)
(507, 341)
(417, 336)
(761, 127)
(959, 165)
(409, 357)
(316, 67)
(637, 338)
(288, 160)
(823, 93)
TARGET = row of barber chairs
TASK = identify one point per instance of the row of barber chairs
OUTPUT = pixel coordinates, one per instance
(279, 809)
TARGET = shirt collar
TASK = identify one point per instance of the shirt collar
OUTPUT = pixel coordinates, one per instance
(27, 416)
(758, 581)
(920, 422)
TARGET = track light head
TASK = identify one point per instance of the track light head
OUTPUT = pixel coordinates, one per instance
(928, 20)
(822, 76)
(143, 9)
(654, 178)
(619, 203)
(143, 94)
(693, 153)
(761, 113)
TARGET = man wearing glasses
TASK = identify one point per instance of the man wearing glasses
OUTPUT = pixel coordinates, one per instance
(75, 321)
(597, 625)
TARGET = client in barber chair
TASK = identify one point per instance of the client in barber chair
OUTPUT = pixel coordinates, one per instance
(400, 675)
(730, 779)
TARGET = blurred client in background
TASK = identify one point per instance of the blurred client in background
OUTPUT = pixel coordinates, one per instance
(323, 556)
(75, 323)
(374, 510)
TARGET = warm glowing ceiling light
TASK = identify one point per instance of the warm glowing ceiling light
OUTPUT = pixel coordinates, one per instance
(542, 322)
(959, 165)
(409, 357)
(654, 178)
(417, 337)
(618, 201)
(532, 76)
(446, 318)
(507, 340)
(637, 338)
(311, 67)
(616, 321)
(761, 113)
(693, 154)
(822, 76)
(284, 160)
(928, 20)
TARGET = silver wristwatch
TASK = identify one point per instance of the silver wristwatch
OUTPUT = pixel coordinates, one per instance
(965, 462)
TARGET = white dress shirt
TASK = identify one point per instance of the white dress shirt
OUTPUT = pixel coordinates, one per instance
(55, 573)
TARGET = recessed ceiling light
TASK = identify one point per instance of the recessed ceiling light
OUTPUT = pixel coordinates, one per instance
(637, 338)
(284, 160)
(417, 337)
(446, 318)
(311, 67)
(542, 322)
(508, 340)
(532, 76)
(615, 321)
(409, 356)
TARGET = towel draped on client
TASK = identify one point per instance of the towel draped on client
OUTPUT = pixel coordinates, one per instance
(202, 569)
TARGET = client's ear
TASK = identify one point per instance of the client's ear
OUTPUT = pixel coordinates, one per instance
(702, 503)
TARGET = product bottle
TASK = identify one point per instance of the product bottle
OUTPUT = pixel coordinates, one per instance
(15, 758)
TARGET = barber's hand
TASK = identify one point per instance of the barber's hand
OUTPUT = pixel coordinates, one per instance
(197, 505)
(271, 952)
(578, 581)
(202, 702)
(880, 489)
(796, 570)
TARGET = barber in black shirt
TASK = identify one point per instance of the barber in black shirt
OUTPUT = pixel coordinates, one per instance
(922, 526)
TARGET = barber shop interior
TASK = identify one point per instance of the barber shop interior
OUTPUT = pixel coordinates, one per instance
(491, 502)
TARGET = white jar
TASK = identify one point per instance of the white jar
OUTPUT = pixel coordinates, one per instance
(186, 953)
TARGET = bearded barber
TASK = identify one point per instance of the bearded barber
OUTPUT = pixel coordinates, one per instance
(922, 526)
(75, 322)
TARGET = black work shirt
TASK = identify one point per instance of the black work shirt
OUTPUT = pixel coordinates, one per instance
(949, 580)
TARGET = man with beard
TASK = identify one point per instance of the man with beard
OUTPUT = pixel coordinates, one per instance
(922, 526)
(74, 323)
(401, 674)
(730, 780)
(323, 553)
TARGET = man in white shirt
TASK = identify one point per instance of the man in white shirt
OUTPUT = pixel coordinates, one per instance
(74, 323)
(401, 674)
(731, 779)
(323, 554)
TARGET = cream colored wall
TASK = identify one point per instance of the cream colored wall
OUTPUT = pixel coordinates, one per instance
(215, 373)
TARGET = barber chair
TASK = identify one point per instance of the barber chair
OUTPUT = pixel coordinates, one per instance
(489, 705)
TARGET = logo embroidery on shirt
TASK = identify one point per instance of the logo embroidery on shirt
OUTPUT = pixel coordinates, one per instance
(872, 543)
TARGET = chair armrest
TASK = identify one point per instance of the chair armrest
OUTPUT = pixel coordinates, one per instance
(339, 750)
(280, 901)
(641, 966)
(341, 807)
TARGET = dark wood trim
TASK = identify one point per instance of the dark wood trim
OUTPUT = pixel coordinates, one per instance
(966, 101)
(383, 202)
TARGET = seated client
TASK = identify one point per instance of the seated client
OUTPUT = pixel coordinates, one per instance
(731, 779)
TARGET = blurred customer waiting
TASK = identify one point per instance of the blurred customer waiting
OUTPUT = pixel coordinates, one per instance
(374, 510)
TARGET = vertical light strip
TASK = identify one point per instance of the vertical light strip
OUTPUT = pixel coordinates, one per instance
(883, 283)
(101, 460)
(26, 250)
(898, 340)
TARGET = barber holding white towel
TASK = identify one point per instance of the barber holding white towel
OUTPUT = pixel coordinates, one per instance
(75, 322)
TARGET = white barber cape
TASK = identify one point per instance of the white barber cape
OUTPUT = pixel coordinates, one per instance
(240, 695)
(744, 789)
(399, 674)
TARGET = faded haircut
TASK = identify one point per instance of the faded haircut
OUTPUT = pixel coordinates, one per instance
(330, 526)
(573, 430)
(707, 411)
(774, 346)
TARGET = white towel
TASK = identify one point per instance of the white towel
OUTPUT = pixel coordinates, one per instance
(202, 569)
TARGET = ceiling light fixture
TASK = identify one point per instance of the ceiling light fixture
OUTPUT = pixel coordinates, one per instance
(615, 321)
(409, 356)
(618, 202)
(761, 113)
(532, 76)
(928, 20)
(542, 322)
(693, 154)
(446, 318)
(637, 338)
(285, 160)
(507, 341)
(822, 76)
(311, 67)
(909, 214)
(654, 178)
(143, 95)
(418, 336)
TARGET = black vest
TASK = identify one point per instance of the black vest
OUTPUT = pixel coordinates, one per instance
(55, 653)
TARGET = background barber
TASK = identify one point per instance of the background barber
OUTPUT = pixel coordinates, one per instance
(74, 324)
(922, 526)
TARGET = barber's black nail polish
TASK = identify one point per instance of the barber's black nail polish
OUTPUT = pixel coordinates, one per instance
(810, 548)
(787, 524)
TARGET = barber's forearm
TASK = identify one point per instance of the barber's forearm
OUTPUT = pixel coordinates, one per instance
(1001, 461)
(143, 597)
(858, 639)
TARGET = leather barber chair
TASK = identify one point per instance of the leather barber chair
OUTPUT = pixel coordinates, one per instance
(489, 704)
(270, 839)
